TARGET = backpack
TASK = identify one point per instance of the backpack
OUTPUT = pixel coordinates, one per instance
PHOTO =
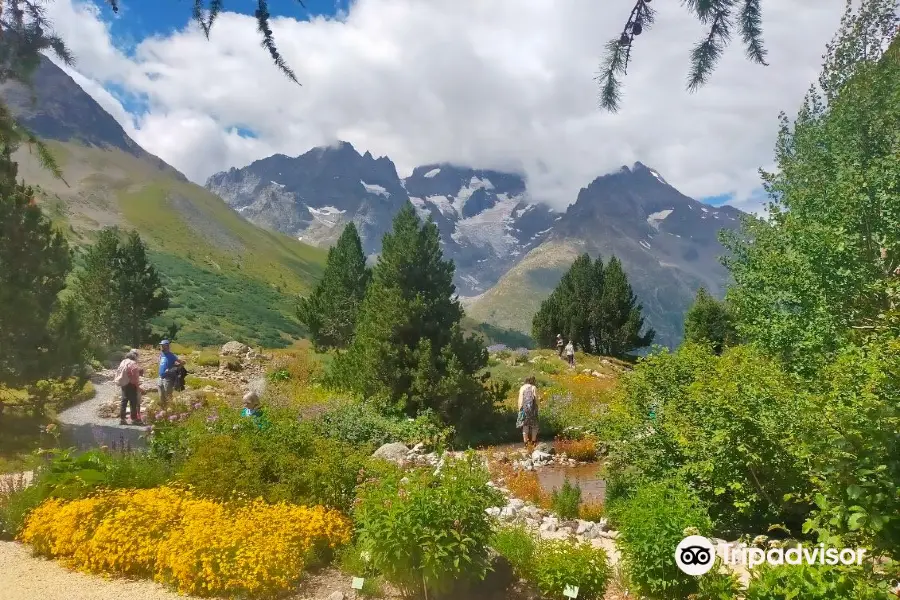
(121, 378)
(529, 407)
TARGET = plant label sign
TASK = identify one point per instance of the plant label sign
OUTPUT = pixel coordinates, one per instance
(571, 591)
(357, 583)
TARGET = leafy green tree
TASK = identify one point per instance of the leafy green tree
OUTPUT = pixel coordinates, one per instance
(118, 290)
(619, 314)
(330, 312)
(34, 263)
(708, 321)
(821, 269)
(409, 351)
(141, 293)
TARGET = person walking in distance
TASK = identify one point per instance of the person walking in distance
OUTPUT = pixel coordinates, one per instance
(528, 412)
(570, 353)
(559, 344)
(169, 367)
(128, 378)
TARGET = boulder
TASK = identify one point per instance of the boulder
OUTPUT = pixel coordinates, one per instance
(234, 349)
(336, 596)
(516, 503)
(508, 513)
(394, 452)
(583, 527)
(493, 511)
(538, 456)
(545, 447)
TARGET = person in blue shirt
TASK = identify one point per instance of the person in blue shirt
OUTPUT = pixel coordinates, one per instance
(168, 371)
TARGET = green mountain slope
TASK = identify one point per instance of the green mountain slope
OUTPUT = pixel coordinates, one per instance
(227, 278)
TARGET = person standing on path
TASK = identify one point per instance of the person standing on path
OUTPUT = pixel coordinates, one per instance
(559, 344)
(169, 367)
(570, 353)
(528, 412)
(128, 378)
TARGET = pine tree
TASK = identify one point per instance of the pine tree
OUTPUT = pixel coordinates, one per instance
(330, 312)
(594, 307)
(620, 314)
(409, 351)
(141, 293)
(34, 263)
(708, 321)
(96, 289)
(118, 291)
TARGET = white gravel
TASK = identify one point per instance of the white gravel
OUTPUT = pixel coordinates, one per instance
(25, 577)
(86, 412)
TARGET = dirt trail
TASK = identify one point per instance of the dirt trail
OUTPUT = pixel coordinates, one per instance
(86, 428)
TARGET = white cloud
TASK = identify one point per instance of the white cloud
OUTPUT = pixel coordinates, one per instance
(489, 83)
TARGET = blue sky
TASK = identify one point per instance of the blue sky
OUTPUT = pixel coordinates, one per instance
(494, 84)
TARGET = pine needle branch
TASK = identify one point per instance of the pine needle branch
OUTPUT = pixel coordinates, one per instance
(268, 40)
(707, 52)
(614, 65)
(751, 32)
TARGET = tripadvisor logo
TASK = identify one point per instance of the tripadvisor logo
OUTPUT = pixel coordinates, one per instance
(695, 555)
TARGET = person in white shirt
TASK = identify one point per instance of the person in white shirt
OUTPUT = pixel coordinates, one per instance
(570, 353)
(528, 412)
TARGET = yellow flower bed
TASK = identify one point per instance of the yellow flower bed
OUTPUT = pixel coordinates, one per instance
(200, 546)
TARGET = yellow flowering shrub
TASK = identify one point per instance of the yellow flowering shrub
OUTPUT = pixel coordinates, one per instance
(200, 546)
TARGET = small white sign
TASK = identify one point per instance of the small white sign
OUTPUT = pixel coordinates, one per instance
(357, 583)
(571, 591)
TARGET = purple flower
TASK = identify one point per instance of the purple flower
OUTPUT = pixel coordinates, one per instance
(198, 405)
(160, 414)
(173, 417)
(212, 418)
(496, 348)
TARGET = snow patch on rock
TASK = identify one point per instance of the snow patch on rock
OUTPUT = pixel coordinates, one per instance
(432, 173)
(372, 188)
(654, 219)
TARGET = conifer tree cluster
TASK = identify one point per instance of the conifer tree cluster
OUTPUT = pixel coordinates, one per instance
(330, 312)
(709, 321)
(118, 290)
(409, 353)
(595, 307)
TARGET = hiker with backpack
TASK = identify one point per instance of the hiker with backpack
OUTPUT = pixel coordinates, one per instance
(559, 344)
(528, 412)
(128, 378)
(570, 353)
(169, 370)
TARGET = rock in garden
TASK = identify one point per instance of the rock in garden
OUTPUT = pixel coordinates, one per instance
(545, 447)
(336, 596)
(493, 511)
(538, 456)
(583, 526)
(596, 373)
(394, 452)
(234, 349)
(508, 513)
(603, 524)
(516, 503)
(419, 448)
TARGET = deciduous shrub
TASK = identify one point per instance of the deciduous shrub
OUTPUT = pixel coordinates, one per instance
(560, 563)
(427, 530)
(566, 500)
(651, 524)
(200, 546)
(553, 565)
(814, 582)
(361, 423)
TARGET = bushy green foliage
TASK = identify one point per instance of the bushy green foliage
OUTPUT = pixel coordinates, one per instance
(553, 565)
(708, 321)
(566, 500)
(814, 582)
(360, 423)
(118, 290)
(223, 454)
(732, 425)
(855, 453)
(329, 313)
(651, 524)
(409, 352)
(594, 307)
(561, 563)
(427, 531)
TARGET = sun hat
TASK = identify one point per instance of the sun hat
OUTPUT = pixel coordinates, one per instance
(164, 343)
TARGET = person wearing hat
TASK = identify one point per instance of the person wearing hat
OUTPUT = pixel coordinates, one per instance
(559, 344)
(168, 371)
(128, 378)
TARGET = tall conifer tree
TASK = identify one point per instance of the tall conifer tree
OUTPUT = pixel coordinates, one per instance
(330, 312)
(409, 351)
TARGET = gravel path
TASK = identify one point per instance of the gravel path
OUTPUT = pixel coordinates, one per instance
(25, 577)
(86, 428)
